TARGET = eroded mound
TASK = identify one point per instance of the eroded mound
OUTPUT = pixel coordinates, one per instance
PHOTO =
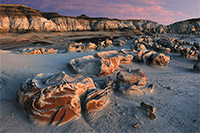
(101, 64)
(55, 99)
(133, 81)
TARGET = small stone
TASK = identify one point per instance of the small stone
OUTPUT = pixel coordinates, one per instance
(169, 88)
(148, 107)
(151, 115)
(136, 125)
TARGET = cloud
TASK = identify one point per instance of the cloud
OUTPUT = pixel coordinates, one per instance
(123, 9)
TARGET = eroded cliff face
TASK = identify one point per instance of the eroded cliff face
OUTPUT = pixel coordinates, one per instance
(19, 18)
(191, 26)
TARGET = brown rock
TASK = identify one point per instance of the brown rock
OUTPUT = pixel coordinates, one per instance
(160, 59)
(136, 125)
(31, 51)
(140, 47)
(53, 98)
(108, 65)
(151, 115)
(110, 53)
(108, 42)
(94, 66)
(187, 52)
(149, 109)
(75, 47)
(167, 50)
(96, 99)
(133, 81)
(124, 58)
(105, 63)
(91, 46)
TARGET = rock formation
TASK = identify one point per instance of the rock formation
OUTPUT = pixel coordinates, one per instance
(31, 51)
(101, 64)
(55, 99)
(151, 57)
(133, 81)
(20, 18)
(79, 47)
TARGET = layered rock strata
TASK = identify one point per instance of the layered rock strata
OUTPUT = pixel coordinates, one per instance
(55, 99)
(20, 18)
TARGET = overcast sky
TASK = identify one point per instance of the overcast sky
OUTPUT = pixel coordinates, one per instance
(161, 11)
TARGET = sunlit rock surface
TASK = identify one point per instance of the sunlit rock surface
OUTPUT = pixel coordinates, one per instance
(55, 99)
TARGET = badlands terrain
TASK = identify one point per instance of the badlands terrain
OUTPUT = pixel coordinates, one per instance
(82, 74)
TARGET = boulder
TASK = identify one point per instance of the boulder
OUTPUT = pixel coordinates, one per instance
(108, 65)
(96, 99)
(31, 51)
(90, 46)
(160, 59)
(133, 81)
(106, 54)
(108, 42)
(123, 57)
(187, 52)
(75, 47)
(152, 57)
(55, 99)
(89, 65)
(140, 47)
(101, 64)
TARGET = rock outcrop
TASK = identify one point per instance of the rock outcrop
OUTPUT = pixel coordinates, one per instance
(32, 51)
(133, 81)
(20, 18)
(191, 26)
(101, 64)
(55, 99)
(79, 47)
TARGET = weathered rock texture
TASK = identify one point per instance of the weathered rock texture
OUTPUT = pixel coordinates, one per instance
(133, 81)
(79, 47)
(158, 59)
(55, 99)
(101, 64)
(30, 51)
(19, 18)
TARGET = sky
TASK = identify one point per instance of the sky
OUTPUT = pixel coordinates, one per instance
(161, 11)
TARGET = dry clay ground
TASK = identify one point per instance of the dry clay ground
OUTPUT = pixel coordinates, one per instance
(176, 97)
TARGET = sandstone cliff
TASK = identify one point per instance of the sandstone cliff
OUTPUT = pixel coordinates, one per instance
(20, 18)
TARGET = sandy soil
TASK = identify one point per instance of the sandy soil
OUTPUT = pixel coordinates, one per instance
(176, 97)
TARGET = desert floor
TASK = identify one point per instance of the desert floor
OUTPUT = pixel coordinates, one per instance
(176, 94)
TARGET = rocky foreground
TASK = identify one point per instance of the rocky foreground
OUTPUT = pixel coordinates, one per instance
(56, 99)
(22, 19)
(99, 82)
